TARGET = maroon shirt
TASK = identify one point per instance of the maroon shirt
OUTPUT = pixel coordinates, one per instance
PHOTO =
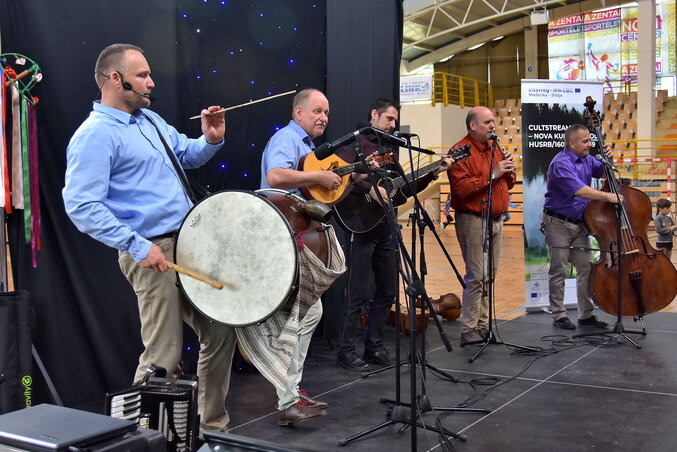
(469, 180)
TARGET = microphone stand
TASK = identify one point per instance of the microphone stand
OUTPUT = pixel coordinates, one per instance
(414, 290)
(397, 415)
(488, 275)
(415, 219)
(419, 217)
(619, 329)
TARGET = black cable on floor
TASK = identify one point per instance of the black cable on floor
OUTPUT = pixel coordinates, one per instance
(558, 343)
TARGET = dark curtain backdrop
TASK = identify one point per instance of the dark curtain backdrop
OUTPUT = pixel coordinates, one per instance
(201, 53)
(364, 49)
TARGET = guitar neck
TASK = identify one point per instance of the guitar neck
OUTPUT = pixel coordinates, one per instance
(347, 169)
(429, 168)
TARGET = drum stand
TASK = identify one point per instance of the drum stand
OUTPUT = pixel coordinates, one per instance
(488, 276)
(415, 289)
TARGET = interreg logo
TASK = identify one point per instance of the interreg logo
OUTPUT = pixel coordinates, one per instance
(27, 381)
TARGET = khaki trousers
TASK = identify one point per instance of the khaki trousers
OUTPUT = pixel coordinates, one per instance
(290, 395)
(163, 309)
(470, 235)
(560, 233)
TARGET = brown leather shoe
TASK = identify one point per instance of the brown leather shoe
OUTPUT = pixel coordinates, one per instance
(471, 337)
(303, 394)
(298, 412)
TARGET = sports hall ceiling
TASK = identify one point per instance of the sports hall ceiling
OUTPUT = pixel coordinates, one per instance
(436, 29)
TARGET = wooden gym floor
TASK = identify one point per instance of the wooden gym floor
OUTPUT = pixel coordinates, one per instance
(509, 288)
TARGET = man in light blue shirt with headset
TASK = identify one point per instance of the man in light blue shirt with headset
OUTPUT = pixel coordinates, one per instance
(123, 189)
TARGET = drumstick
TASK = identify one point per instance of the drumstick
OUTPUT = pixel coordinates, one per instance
(245, 104)
(185, 271)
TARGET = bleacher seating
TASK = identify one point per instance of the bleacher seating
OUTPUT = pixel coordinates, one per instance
(502, 113)
(619, 120)
(619, 124)
(625, 134)
(607, 123)
(511, 105)
(513, 133)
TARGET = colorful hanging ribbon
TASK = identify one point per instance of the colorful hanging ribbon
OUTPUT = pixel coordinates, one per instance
(5, 167)
(25, 175)
(36, 243)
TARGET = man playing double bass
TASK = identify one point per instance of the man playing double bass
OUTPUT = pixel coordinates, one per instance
(568, 193)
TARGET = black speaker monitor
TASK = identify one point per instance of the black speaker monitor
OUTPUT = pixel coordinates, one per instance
(236, 443)
(54, 428)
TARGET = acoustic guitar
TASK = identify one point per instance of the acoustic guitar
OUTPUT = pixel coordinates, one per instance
(336, 164)
(362, 213)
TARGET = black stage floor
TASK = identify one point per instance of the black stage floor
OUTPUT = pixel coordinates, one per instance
(596, 394)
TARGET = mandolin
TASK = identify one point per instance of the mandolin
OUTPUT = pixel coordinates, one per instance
(336, 164)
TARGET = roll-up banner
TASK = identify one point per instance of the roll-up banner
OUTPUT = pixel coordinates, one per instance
(549, 107)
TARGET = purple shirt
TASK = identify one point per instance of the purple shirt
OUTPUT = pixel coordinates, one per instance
(567, 174)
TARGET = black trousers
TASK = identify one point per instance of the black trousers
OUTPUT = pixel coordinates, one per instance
(372, 258)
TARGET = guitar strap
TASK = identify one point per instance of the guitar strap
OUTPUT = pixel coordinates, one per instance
(177, 167)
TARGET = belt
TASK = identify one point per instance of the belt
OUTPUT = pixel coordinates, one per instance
(469, 212)
(562, 217)
(166, 235)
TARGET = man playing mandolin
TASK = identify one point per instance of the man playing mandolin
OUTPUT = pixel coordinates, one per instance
(279, 165)
(279, 169)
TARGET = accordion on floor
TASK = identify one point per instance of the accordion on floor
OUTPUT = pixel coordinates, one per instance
(166, 405)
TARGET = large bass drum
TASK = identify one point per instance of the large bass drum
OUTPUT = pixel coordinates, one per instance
(249, 242)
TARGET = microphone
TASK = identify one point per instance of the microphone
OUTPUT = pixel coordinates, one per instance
(128, 87)
(325, 150)
(382, 150)
(401, 142)
(602, 158)
(398, 134)
(391, 139)
(493, 137)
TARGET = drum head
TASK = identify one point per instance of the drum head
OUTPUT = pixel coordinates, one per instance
(241, 240)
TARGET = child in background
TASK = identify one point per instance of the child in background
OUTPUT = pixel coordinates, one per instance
(447, 208)
(665, 227)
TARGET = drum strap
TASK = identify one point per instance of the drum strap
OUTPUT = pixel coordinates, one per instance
(177, 167)
(298, 236)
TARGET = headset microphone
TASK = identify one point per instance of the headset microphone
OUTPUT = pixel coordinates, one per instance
(128, 87)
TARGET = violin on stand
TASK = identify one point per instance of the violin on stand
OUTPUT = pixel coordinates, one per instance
(448, 306)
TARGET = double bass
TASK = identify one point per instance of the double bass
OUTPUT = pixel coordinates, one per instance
(648, 280)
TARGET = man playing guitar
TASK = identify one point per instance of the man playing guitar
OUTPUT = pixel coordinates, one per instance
(372, 253)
